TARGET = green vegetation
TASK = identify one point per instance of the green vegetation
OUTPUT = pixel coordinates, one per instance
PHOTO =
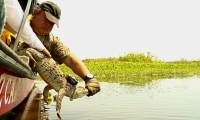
(137, 65)
(137, 69)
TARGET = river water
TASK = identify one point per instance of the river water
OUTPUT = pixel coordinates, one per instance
(164, 99)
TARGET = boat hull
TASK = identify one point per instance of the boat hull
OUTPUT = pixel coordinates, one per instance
(13, 89)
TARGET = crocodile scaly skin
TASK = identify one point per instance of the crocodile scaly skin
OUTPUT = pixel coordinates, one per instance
(54, 77)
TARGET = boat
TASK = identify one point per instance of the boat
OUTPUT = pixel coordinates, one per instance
(16, 77)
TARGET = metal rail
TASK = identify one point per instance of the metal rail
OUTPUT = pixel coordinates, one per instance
(22, 25)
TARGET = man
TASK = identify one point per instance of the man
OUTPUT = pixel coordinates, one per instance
(43, 19)
(12, 14)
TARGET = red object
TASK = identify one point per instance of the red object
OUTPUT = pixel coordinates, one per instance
(13, 89)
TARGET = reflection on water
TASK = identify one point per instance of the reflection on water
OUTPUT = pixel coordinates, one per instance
(165, 99)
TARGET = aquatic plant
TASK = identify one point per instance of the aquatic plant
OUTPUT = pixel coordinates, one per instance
(128, 69)
(138, 65)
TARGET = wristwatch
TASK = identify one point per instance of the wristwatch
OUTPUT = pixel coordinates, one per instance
(89, 76)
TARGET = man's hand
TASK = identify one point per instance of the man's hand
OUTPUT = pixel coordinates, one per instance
(46, 52)
(93, 86)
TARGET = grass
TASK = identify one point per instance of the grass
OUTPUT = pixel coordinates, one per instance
(138, 65)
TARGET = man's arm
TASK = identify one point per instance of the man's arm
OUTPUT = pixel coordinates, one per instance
(77, 66)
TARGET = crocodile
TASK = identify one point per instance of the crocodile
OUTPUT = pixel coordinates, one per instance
(50, 72)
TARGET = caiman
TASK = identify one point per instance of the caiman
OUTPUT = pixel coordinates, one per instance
(55, 78)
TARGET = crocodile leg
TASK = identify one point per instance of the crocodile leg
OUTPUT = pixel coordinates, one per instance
(61, 94)
(46, 92)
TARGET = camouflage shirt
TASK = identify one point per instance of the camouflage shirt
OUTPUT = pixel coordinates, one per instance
(56, 47)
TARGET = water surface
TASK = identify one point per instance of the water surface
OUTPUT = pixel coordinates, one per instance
(165, 99)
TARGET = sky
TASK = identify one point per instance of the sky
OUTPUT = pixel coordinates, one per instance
(168, 29)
